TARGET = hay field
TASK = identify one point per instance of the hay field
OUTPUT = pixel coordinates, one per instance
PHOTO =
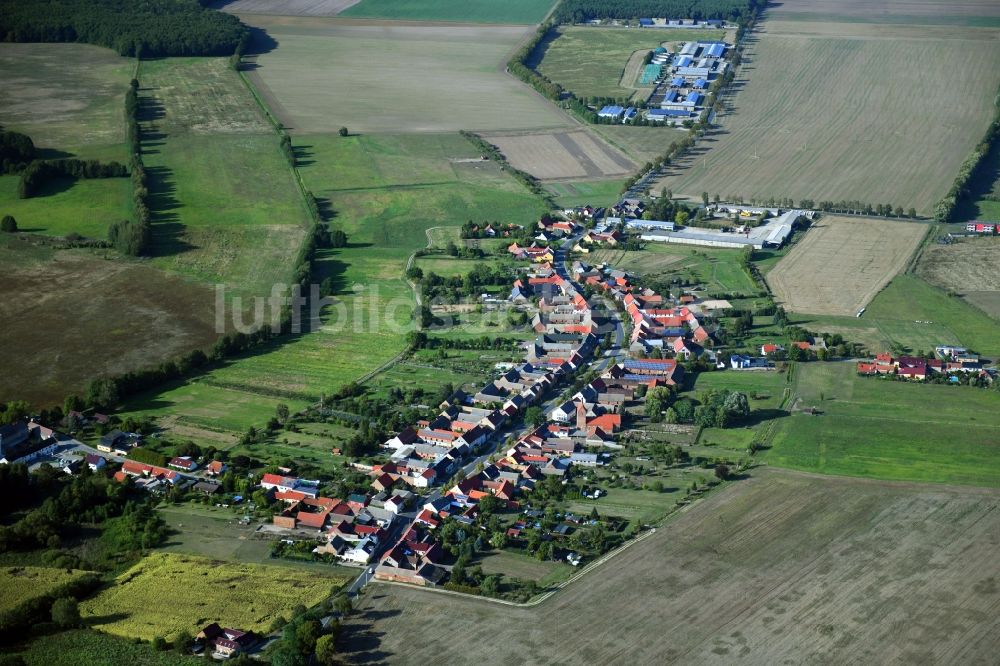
(66, 97)
(325, 74)
(166, 593)
(589, 61)
(841, 263)
(967, 267)
(564, 155)
(849, 111)
(103, 317)
(779, 568)
(642, 144)
(285, 7)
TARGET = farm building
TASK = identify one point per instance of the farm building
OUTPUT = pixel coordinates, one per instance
(683, 61)
(693, 72)
(677, 82)
(714, 50)
(629, 114)
(645, 23)
(700, 84)
(689, 49)
(772, 234)
(650, 74)
(611, 111)
(667, 114)
(662, 225)
(981, 227)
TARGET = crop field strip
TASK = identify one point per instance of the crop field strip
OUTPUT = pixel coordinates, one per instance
(841, 263)
(416, 78)
(778, 567)
(471, 11)
(285, 7)
(562, 155)
(819, 114)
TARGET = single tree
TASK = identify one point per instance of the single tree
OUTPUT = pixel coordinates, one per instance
(326, 650)
(534, 415)
(282, 412)
(182, 641)
(66, 612)
(343, 131)
(722, 472)
(9, 224)
(159, 644)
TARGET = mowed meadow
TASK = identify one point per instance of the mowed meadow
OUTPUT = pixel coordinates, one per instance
(837, 111)
(414, 78)
(780, 567)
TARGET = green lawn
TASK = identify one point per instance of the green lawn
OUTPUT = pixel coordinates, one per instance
(590, 61)
(593, 193)
(66, 205)
(717, 271)
(469, 11)
(909, 299)
(890, 430)
(646, 505)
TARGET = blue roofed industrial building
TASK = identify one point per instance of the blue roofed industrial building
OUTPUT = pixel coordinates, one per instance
(611, 111)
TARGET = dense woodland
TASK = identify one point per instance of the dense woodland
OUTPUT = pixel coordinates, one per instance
(578, 11)
(130, 27)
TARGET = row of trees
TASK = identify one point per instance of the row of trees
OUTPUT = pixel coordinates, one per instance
(134, 237)
(152, 28)
(38, 172)
(526, 179)
(578, 11)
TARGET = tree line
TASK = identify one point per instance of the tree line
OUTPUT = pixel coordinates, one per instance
(151, 28)
(38, 172)
(134, 237)
(578, 11)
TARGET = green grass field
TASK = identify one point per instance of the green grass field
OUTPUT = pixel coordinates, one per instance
(816, 117)
(83, 647)
(21, 584)
(589, 61)
(889, 430)
(166, 593)
(584, 193)
(69, 98)
(468, 11)
(65, 205)
(386, 215)
(908, 300)
(415, 78)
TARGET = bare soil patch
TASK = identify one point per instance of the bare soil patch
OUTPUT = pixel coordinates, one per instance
(562, 155)
(778, 568)
(286, 7)
(841, 263)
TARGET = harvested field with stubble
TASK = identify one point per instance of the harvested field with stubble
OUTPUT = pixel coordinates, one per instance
(414, 78)
(564, 155)
(936, 12)
(819, 115)
(778, 568)
(841, 263)
(967, 267)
